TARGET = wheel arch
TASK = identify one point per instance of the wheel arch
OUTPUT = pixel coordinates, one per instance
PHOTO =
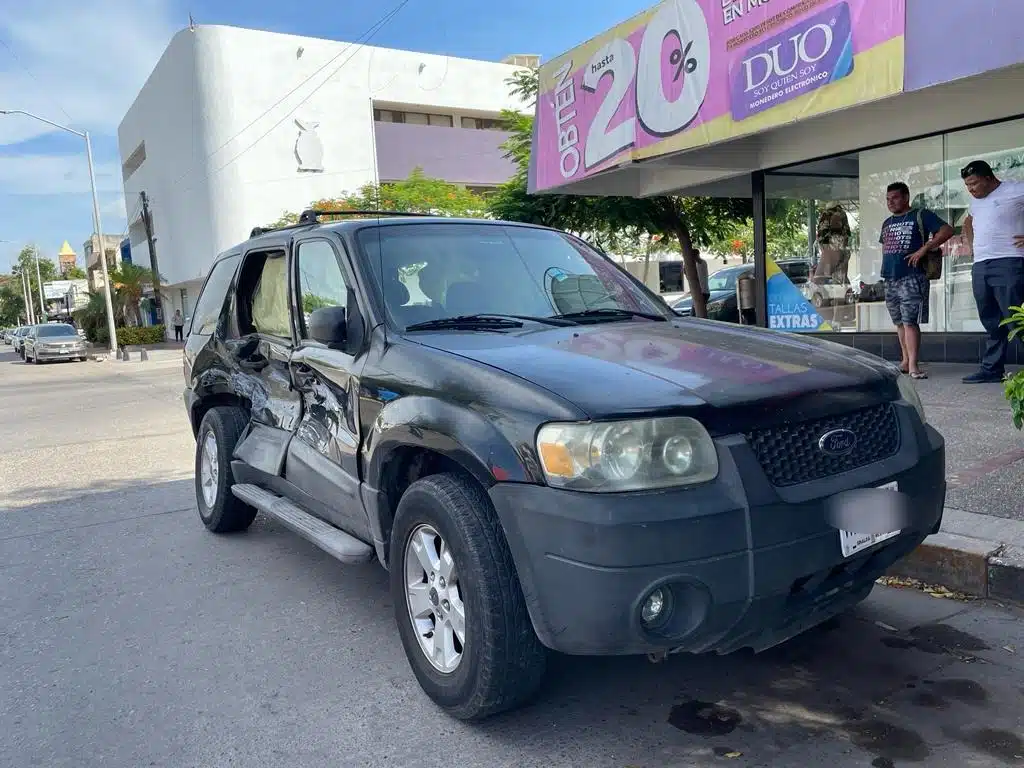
(202, 404)
(416, 437)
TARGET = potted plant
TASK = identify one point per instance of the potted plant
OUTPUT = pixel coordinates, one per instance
(1013, 386)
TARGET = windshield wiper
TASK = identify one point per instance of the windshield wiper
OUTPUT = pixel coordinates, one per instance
(612, 313)
(485, 320)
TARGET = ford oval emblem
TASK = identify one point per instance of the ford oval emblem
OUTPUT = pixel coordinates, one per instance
(837, 442)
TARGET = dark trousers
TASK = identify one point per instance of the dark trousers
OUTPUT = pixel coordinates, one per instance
(178, 333)
(998, 285)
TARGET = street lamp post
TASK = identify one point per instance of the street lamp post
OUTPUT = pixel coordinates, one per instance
(111, 330)
(28, 299)
(39, 283)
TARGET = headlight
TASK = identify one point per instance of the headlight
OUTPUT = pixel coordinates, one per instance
(909, 393)
(633, 455)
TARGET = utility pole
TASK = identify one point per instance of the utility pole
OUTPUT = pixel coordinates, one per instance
(111, 328)
(28, 298)
(39, 282)
(154, 265)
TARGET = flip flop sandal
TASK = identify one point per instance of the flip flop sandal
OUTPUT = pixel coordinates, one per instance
(919, 375)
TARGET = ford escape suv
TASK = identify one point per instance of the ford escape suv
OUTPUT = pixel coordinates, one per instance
(540, 452)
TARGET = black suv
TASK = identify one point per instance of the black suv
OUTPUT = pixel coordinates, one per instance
(541, 453)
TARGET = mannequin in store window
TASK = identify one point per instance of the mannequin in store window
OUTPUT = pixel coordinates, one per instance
(833, 236)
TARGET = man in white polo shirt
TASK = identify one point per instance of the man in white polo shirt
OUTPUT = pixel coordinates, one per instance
(995, 230)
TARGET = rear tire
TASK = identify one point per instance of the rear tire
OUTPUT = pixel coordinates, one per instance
(219, 509)
(501, 662)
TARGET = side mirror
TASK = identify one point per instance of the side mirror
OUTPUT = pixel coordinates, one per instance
(328, 326)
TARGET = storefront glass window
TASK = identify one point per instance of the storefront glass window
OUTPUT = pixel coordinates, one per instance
(1002, 146)
(824, 220)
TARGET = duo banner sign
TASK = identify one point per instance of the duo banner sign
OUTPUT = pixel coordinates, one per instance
(690, 73)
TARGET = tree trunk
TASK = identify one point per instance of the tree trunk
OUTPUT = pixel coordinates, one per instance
(682, 233)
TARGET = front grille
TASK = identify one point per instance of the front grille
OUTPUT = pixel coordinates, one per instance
(790, 454)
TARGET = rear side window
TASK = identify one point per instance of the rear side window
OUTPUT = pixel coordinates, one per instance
(211, 300)
(270, 299)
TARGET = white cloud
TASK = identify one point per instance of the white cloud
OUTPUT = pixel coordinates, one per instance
(87, 61)
(56, 175)
(115, 207)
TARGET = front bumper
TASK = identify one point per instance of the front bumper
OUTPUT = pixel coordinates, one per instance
(49, 355)
(747, 564)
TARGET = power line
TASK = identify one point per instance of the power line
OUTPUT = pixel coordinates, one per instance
(368, 35)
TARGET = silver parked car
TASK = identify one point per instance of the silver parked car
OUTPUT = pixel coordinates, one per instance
(53, 341)
(18, 337)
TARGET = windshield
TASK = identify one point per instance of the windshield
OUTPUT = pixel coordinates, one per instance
(49, 331)
(433, 271)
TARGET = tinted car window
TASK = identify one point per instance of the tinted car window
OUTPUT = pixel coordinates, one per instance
(49, 331)
(430, 271)
(211, 300)
(725, 279)
(321, 281)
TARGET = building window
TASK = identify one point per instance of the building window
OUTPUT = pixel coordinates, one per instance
(413, 118)
(482, 124)
(825, 219)
(134, 161)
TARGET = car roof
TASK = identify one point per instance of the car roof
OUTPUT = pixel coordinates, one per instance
(354, 224)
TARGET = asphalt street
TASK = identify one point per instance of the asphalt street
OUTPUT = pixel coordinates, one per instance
(129, 636)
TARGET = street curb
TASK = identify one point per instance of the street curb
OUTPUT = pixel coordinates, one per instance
(981, 567)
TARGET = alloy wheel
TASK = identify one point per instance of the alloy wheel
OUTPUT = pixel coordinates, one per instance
(209, 469)
(434, 599)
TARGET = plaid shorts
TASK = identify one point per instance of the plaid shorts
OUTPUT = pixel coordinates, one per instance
(906, 298)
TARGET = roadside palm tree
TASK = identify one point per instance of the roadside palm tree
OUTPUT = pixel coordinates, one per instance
(92, 318)
(130, 281)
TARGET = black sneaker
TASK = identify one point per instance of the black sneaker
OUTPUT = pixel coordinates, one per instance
(983, 377)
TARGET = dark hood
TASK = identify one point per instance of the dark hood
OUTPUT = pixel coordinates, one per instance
(644, 366)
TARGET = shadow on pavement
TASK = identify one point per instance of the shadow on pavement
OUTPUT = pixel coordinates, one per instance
(217, 644)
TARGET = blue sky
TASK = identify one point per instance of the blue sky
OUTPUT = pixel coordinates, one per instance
(82, 63)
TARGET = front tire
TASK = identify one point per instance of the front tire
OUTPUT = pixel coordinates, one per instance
(219, 509)
(459, 606)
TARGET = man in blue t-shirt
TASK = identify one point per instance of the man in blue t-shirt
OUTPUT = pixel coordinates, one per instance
(907, 236)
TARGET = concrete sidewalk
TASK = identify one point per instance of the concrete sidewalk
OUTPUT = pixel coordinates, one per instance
(980, 549)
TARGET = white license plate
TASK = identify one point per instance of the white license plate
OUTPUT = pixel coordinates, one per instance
(65, 351)
(851, 543)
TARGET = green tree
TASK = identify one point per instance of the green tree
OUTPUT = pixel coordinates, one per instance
(130, 281)
(691, 222)
(92, 317)
(789, 233)
(12, 303)
(75, 273)
(27, 263)
(417, 194)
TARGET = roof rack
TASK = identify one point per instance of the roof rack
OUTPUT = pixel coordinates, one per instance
(257, 231)
(310, 216)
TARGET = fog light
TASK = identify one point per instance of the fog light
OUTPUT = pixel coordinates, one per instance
(654, 607)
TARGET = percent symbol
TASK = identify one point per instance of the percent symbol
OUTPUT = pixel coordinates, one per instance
(681, 59)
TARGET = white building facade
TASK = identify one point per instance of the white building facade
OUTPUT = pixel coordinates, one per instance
(235, 126)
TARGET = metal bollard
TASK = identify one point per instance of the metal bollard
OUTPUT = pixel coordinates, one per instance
(746, 298)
